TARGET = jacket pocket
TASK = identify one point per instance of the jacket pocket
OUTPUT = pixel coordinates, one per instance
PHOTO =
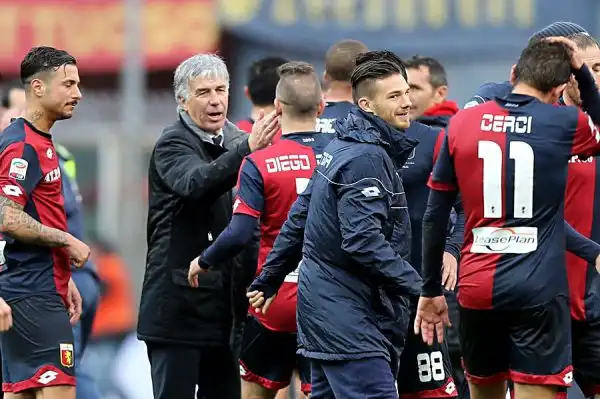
(211, 279)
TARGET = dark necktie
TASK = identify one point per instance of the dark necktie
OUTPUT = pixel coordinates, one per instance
(217, 140)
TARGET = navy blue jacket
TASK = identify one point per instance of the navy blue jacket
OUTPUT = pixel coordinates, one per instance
(355, 281)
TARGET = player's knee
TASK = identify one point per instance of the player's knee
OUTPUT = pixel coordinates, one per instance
(56, 392)
(526, 391)
(252, 390)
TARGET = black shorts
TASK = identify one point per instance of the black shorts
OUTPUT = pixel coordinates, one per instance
(425, 371)
(38, 350)
(586, 355)
(527, 346)
(269, 358)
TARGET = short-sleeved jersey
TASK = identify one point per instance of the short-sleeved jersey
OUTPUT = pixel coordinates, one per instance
(582, 212)
(508, 158)
(269, 183)
(332, 112)
(30, 175)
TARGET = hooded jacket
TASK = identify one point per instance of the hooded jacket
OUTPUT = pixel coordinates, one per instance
(354, 280)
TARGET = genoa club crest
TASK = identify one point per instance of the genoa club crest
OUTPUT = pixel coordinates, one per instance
(66, 355)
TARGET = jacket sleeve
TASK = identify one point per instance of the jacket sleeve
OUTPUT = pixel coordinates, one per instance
(184, 172)
(364, 197)
(287, 249)
(581, 246)
(455, 240)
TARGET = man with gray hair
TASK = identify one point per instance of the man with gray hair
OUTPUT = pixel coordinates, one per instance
(193, 334)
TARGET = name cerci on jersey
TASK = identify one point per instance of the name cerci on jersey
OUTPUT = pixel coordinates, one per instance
(506, 123)
(286, 163)
(53, 175)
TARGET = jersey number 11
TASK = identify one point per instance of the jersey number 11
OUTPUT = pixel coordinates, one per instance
(491, 154)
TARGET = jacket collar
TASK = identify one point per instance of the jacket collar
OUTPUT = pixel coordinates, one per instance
(364, 127)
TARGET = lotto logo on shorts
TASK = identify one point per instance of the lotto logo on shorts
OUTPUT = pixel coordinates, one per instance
(66, 355)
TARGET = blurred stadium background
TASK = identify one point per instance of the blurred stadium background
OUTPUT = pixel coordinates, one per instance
(127, 51)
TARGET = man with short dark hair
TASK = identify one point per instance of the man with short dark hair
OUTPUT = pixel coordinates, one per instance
(580, 212)
(269, 182)
(260, 88)
(429, 92)
(35, 271)
(355, 283)
(339, 63)
(510, 327)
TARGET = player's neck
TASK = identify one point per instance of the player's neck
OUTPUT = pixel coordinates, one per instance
(39, 119)
(527, 90)
(255, 112)
(289, 126)
(338, 92)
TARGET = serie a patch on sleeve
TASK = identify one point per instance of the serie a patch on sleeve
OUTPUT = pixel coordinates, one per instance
(18, 168)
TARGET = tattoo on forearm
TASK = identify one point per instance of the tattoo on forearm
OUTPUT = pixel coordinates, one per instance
(18, 224)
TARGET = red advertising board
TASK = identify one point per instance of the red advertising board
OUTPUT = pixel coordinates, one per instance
(93, 31)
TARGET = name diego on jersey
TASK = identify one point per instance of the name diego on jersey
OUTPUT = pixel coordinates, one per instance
(286, 163)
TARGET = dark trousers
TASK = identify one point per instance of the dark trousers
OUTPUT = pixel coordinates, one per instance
(369, 378)
(178, 369)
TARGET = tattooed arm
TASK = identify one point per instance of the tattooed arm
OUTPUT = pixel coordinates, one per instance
(22, 227)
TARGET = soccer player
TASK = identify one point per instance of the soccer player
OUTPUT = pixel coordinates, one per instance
(260, 89)
(339, 63)
(508, 158)
(37, 353)
(429, 92)
(354, 283)
(579, 213)
(269, 182)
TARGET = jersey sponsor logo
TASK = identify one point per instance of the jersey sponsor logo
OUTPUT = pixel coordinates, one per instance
(18, 168)
(53, 175)
(49, 153)
(506, 123)
(286, 163)
(504, 240)
(325, 125)
(66, 355)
